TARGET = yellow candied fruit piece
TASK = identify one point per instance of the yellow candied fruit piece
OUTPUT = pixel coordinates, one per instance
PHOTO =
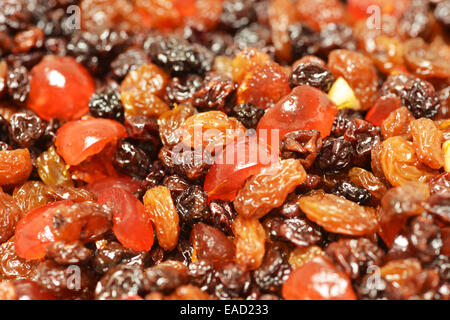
(343, 96)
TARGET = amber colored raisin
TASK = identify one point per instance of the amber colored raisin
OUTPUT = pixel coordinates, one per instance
(424, 61)
(368, 181)
(247, 60)
(10, 215)
(143, 103)
(170, 121)
(30, 195)
(159, 205)
(15, 167)
(14, 267)
(210, 130)
(400, 163)
(319, 13)
(397, 124)
(264, 85)
(282, 13)
(148, 77)
(360, 73)
(269, 188)
(212, 244)
(427, 140)
(250, 239)
(339, 215)
(301, 255)
(52, 170)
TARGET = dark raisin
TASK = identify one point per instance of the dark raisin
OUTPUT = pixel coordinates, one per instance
(363, 136)
(183, 253)
(155, 176)
(180, 57)
(201, 273)
(312, 74)
(56, 46)
(26, 128)
(176, 184)
(190, 164)
(255, 36)
(335, 36)
(335, 156)
(440, 184)
(142, 128)
(84, 52)
(65, 282)
(120, 282)
(355, 256)
(68, 253)
(107, 104)
(441, 264)
(439, 205)
(344, 120)
(442, 13)
(127, 61)
(181, 90)
(221, 215)
(296, 230)
(18, 83)
(131, 160)
(311, 182)
(420, 98)
(274, 270)
(49, 135)
(111, 253)
(164, 278)
(248, 114)
(303, 40)
(192, 205)
(301, 144)
(216, 92)
(352, 192)
(231, 281)
(237, 14)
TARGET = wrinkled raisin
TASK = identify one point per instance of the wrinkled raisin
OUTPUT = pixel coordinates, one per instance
(107, 104)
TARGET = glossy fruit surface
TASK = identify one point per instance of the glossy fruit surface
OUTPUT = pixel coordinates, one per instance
(77, 140)
(60, 88)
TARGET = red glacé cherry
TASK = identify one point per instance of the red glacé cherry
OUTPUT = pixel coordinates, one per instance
(60, 88)
(382, 108)
(305, 108)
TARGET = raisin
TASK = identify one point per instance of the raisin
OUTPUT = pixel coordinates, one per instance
(398, 204)
(420, 98)
(400, 164)
(303, 40)
(319, 13)
(15, 167)
(147, 77)
(179, 57)
(250, 239)
(281, 14)
(352, 192)
(255, 36)
(211, 244)
(335, 156)
(3, 72)
(159, 205)
(335, 36)
(120, 282)
(142, 103)
(344, 120)
(190, 164)
(296, 230)
(30, 195)
(425, 237)
(440, 184)
(416, 21)
(56, 280)
(25, 128)
(128, 61)
(427, 139)
(257, 196)
(52, 170)
(301, 144)
(68, 253)
(367, 181)
(31, 38)
(355, 256)
(176, 184)
(273, 272)
(18, 83)
(188, 292)
(192, 205)
(182, 89)
(14, 267)
(363, 136)
(424, 61)
(301, 255)
(131, 160)
(248, 114)
(107, 104)
(215, 127)
(339, 215)
(237, 14)
(217, 92)
(247, 60)
(164, 278)
(231, 281)
(397, 124)
(109, 254)
(221, 215)
(311, 74)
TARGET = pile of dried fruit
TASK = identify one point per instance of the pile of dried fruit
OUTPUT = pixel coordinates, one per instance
(224, 149)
